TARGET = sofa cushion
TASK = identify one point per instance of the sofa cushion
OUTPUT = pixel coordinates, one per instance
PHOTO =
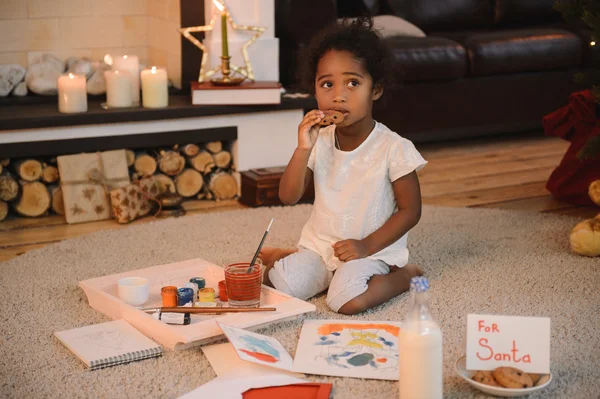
(530, 12)
(445, 14)
(427, 58)
(391, 25)
(522, 50)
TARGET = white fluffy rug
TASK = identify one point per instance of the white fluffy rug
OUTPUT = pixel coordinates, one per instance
(478, 261)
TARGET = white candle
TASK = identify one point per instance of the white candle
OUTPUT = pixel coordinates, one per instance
(72, 93)
(130, 63)
(155, 91)
(118, 89)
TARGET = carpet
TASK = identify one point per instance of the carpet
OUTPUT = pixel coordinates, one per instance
(478, 261)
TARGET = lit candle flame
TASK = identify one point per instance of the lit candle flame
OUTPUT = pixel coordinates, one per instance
(153, 69)
(125, 57)
(592, 43)
(218, 5)
(71, 76)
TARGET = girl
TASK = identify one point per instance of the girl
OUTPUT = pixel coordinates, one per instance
(367, 194)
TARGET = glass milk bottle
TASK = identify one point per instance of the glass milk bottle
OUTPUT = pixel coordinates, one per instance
(420, 344)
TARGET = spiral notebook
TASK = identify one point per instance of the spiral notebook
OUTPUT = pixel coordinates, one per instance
(108, 344)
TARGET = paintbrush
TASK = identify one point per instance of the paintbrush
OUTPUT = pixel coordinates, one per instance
(259, 247)
(200, 310)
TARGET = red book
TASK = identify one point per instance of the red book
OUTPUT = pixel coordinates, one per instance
(246, 93)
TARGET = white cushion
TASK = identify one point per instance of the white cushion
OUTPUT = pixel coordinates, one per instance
(391, 25)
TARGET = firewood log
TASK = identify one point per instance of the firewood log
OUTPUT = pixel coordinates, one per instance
(9, 188)
(50, 174)
(130, 155)
(58, 204)
(205, 193)
(203, 162)
(3, 210)
(165, 184)
(189, 183)
(144, 165)
(191, 150)
(171, 163)
(222, 159)
(214, 146)
(28, 169)
(5, 162)
(34, 199)
(223, 185)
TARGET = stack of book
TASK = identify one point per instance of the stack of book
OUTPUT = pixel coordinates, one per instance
(246, 93)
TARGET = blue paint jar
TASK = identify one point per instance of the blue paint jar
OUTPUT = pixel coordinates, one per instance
(200, 282)
(185, 296)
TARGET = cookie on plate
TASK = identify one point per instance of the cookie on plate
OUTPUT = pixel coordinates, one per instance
(534, 378)
(510, 377)
(485, 377)
(332, 117)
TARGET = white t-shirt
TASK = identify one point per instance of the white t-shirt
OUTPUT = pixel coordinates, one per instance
(354, 194)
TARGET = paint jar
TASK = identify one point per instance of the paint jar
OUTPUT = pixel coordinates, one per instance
(244, 284)
(222, 291)
(200, 282)
(184, 296)
(169, 296)
(173, 318)
(206, 295)
(194, 287)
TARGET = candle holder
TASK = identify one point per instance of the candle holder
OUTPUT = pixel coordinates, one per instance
(225, 79)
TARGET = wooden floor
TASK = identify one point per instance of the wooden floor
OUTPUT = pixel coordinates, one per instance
(504, 173)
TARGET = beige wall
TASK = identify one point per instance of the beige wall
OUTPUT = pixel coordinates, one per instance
(92, 28)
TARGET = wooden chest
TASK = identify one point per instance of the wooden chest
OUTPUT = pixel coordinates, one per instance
(260, 187)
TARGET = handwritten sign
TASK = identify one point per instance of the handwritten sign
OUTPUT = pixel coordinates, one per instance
(496, 341)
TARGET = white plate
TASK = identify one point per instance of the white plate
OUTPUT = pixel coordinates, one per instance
(498, 391)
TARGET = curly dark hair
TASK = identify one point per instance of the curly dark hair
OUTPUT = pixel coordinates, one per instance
(356, 36)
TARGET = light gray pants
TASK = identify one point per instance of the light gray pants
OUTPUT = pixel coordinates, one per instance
(303, 274)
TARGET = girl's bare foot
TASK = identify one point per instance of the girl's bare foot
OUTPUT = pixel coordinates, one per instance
(270, 255)
(411, 269)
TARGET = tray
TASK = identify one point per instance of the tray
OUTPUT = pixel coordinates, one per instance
(102, 296)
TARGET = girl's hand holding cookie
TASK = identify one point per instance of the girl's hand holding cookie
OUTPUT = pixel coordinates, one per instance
(346, 250)
(308, 130)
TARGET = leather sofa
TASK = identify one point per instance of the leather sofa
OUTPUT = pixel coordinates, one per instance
(485, 66)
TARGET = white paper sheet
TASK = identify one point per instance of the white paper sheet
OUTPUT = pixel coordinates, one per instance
(258, 348)
(233, 385)
(347, 348)
(224, 359)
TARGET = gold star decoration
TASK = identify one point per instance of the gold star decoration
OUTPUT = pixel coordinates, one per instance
(246, 71)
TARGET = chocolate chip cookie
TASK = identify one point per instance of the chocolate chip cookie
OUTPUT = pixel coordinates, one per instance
(332, 117)
(485, 377)
(510, 377)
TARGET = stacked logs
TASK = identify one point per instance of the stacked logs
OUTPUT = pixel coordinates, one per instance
(31, 188)
(194, 171)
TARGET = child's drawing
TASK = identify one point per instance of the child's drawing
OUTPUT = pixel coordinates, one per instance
(348, 349)
(258, 348)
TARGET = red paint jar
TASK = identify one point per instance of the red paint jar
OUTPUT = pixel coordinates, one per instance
(243, 287)
(222, 291)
